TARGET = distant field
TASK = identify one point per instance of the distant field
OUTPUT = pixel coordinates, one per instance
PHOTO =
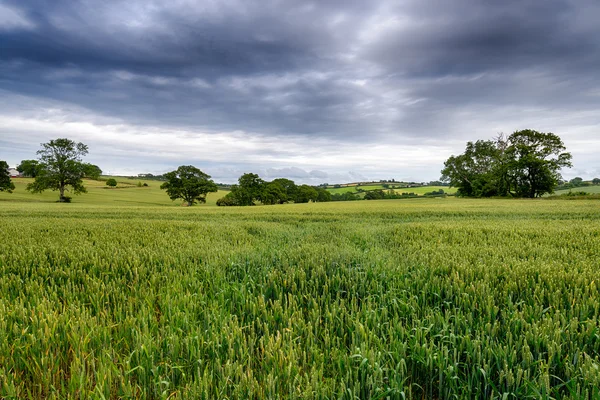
(126, 193)
(587, 189)
(417, 190)
(111, 297)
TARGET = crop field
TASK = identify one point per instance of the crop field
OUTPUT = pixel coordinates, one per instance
(417, 190)
(399, 299)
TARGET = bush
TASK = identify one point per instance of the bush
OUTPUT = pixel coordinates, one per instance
(145, 184)
(112, 182)
(227, 201)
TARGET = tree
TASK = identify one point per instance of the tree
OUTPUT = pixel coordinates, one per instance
(526, 164)
(288, 186)
(6, 184)
(377, 194)
(189, 184)
(29, 168)
(273, 193)
(60, 168)
(305, 194)
(475, 173)
(91, 171)
(112, 182)
(323, 195)
(596, 181)
(535, 160)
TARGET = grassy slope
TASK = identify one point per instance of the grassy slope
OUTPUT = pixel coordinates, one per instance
(587, 189)
(126, 193)
(418, 190)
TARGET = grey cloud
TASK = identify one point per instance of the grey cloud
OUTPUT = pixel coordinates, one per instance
(413, 73)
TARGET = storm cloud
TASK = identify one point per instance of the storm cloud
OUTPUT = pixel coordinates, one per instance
(314, 91)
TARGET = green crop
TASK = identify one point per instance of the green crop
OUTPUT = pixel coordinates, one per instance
(431, 298)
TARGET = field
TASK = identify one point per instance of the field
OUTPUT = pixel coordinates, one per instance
(417, 190)
(588, 189)
(126, 193)
(433, 298)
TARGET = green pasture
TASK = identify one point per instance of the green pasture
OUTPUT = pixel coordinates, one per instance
(125, 193)
(588, 189)
(400, 299)
(421, 190)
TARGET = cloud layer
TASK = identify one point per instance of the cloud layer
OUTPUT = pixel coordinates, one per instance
(315, 91)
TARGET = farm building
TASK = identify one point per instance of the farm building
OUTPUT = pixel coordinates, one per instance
(14, 173)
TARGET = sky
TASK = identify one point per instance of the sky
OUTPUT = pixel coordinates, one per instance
(316, 91)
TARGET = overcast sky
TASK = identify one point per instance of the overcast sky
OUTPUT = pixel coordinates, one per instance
(324, 91)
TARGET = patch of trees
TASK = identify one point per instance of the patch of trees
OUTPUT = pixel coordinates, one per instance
(251, 189)
(524, 164)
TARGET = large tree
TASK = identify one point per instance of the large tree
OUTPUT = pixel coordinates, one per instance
(92, 171)
(534, 162)
(526, 164)
(6, 184)
(60, 168)
(29, 168)
(306, 194)
(476, 172)
(189, 184)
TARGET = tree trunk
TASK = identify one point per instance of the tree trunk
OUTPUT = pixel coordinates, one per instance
(190, 203)
(61, 190)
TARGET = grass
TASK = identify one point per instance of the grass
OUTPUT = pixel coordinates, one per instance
(126, 193)
(421, 190)
(587, 189)
(445, 298)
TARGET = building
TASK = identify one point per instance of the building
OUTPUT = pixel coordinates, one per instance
(14, 173)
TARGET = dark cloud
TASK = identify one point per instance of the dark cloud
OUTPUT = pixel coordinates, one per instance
(367, 73)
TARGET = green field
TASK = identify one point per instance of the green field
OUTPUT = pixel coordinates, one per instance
(126, 193)
(417, 190)
(445, 298)
(587, 189)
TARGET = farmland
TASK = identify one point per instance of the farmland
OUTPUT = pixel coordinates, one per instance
(430, 298)
(126, 193)
(420, 190)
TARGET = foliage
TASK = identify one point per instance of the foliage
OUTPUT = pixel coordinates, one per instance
(305, 194)
(346, 196)
(60, 168)
(526, 164)
(272, 193)
(375, 195)
(91, 171)
(479, 299)
(29, 168)
(323, 195)
(289, 187)
(189, 184)
(596, 181)
(111, 182)
(6, 184)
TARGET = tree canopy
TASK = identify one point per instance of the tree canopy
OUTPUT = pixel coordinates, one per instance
(526, 164)
(189, 184)
(29, 168)
(60, 168)
(6, 184)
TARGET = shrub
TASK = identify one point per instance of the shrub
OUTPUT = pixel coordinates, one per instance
(112, 182)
